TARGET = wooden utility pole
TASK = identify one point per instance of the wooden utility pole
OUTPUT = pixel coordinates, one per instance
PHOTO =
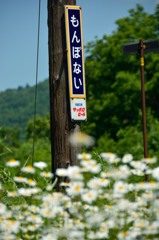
(60, 124)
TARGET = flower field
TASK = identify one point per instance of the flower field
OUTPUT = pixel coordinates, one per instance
(106, 197)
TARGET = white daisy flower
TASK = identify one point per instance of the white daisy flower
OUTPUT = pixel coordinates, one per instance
(49, 187)
(141, 223)
(46, 174)
(96, 183)
(155, 173)
(123, 205)
(34, 209)
(49, 237)
(62, 172)
(2, 208)
(102, 234)
(123, 235)
(127, 158)
(32, 227)
(148, 195)
(138, 165)
(12, 194)
(97, 219)
(95, 168)
(89, 196)
(28, 169)
(12, 226)
(46, 212)
(78, 138)
(20, 179)
(90, 166)
(140, 202)
(75, 188)
(153, 185)
(149, 160)
(24, 192)
(93, 183)
(147, 185)
(12, 163)
(34, 219)
(76, 234)
(137, 172)
(120, 188)
(31, 182)
(103, 231)
(74, 172)
(84, 156)
(105, 174)
(103, 182)
(109, 156)
(28, 191)
(40, 165)
(125, 171)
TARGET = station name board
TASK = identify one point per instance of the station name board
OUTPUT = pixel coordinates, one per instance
(75, 51)
(75, 62)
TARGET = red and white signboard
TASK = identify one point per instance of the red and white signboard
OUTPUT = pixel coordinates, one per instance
(78, 109)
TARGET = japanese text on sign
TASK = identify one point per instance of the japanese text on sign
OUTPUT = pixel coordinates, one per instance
(75, 52)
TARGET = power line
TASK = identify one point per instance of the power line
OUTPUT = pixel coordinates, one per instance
(37, 67)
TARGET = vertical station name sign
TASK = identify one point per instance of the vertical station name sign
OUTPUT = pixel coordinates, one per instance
(75, 62)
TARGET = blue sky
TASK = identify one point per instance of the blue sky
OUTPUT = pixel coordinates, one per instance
(19, 24)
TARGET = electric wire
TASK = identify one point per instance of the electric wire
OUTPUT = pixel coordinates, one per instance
(35, 95)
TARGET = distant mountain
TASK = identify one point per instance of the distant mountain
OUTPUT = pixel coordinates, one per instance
(17, 106)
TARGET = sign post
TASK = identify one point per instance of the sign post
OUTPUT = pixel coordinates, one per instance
(75, 62)
(141, 47)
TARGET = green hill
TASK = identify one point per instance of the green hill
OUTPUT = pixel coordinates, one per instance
(17, 106)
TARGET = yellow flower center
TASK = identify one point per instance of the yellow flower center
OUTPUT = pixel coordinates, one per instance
(102, 180)
(12, 160)
(90, 195)
(30, 181)
(77, 188)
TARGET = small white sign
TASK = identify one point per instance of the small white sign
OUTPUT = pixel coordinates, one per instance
(78, 109)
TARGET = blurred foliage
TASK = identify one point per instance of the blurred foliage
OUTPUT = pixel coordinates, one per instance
(42, 127)
(114, 87)
(113, 97)
(18, 105)
(35, 146)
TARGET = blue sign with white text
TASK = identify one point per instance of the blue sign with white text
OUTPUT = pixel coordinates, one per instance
(75, 46)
